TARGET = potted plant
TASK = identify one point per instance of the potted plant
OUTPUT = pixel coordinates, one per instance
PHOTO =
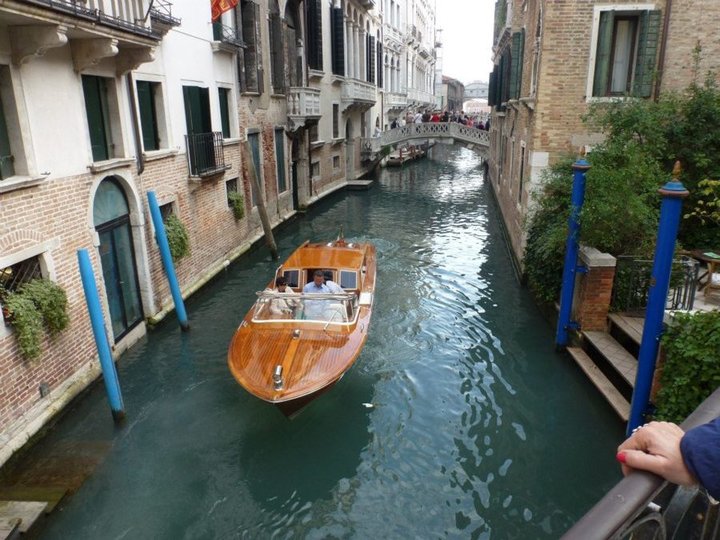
(177, 237)
(237, 203)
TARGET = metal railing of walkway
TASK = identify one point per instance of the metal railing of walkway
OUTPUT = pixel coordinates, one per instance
(644, 505)
(450, 132)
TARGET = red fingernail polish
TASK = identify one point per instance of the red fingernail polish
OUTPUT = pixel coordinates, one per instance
(620, 456)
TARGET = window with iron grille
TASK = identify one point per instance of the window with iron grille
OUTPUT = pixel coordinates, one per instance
(14, 276)
(231, 186)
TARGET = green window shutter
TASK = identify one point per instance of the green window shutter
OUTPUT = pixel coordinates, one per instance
(492, 87)
(7, 168)
(94, 89)
(603, 53)
(277, 57)
(516, 61)
(280, 159)
(337, 40)
(224, 111)
(647, 52)
(314, 24)
(254, 140)
(148, 116)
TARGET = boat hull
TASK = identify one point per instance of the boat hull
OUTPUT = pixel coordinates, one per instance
(292, 361)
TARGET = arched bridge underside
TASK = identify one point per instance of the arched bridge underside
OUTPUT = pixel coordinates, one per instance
(440, 132)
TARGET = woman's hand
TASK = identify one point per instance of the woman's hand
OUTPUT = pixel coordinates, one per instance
(655, 447)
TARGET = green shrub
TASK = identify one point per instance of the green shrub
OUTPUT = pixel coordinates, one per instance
(237, 203)
(51, 302)
(691, 371)
(27, 321)
(177, 237)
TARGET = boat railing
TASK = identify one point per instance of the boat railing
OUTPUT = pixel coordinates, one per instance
(328, 308)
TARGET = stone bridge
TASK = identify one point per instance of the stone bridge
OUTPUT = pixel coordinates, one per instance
(440, 132)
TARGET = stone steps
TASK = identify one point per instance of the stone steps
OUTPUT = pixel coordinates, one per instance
(18, 517)
(616, 400)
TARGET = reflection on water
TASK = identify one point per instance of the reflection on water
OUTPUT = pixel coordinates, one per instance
(458, 420)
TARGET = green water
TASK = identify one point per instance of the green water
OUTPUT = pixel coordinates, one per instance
(457, 421)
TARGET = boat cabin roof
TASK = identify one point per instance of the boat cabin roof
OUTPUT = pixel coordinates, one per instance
(319, 256)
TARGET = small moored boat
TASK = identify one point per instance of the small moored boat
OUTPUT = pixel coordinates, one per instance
(293, 346)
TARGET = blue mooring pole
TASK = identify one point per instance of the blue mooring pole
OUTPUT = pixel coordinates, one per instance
(110, 378)
(580, 168)
(167, 261)
(672, 194)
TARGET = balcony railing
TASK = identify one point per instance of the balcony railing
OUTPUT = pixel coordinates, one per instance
(124, 15)
(356, 91)
(205, 154)
(226, 34)
(161, 12)
(420, 97)
(392, 33)
(633, 277)
(303, 102)
(643, 505)
(395, 100)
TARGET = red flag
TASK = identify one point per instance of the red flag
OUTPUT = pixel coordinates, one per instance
(221, 6)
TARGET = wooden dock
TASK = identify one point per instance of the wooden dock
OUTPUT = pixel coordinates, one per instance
(359, 184)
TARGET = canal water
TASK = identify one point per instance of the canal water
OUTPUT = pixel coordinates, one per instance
(458, 419)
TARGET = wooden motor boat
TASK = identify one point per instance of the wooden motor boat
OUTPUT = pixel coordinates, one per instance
(293, 346)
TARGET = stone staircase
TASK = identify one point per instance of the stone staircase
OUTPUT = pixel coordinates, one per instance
(22, 510)
(609, 359)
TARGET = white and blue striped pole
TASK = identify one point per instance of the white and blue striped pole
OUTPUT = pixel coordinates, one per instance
(167, 261)
(110, 377)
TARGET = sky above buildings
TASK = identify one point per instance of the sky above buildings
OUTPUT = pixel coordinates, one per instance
(467, 34)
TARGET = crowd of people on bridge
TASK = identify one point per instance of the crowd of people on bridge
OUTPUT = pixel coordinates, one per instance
(461, 117)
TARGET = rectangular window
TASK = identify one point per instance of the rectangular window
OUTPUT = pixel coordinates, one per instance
(14, 276)
(280, 159)
(254, 140)
(336, 120)
(522, 173)
(625, 52)
(315, 169)
(231, 186)
(277, 58)
(224, 97)
(314, 22)
(166, 210)
(292, 277)
(146, 92)
(314, 132)
(337, 41)
(251, 64)
(98, 117)
(348, 279)
(336, 162)
(7, 166)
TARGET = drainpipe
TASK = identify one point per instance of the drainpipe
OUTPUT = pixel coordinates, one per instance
(139, 159)
(663, 47)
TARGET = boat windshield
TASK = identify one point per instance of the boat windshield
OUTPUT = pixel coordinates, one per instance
(318, 307)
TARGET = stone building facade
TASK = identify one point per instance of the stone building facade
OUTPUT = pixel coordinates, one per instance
(552, 59)
(104, 102)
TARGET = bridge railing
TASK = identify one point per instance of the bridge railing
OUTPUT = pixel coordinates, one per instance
(644, 505)
(426, 130)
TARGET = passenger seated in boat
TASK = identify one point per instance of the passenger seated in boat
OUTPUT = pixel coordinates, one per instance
(317, 285)
(334, 287)
(283, 307)
(314, 308)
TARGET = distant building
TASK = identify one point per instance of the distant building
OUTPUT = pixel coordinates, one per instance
(452, 94)
(477, 107)
(476, 89)
(545, 77)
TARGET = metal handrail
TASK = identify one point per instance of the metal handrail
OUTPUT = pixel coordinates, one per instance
(205, 153)
(616, 513)
(226, 34)
(162, 11)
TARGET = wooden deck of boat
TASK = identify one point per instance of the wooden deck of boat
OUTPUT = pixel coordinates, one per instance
(313, 354)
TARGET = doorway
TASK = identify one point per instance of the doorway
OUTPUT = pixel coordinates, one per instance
(111, 217)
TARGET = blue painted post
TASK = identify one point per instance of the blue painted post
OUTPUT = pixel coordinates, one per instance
(580, 168)
(110, 378)
(673, 194)
(167, 261)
